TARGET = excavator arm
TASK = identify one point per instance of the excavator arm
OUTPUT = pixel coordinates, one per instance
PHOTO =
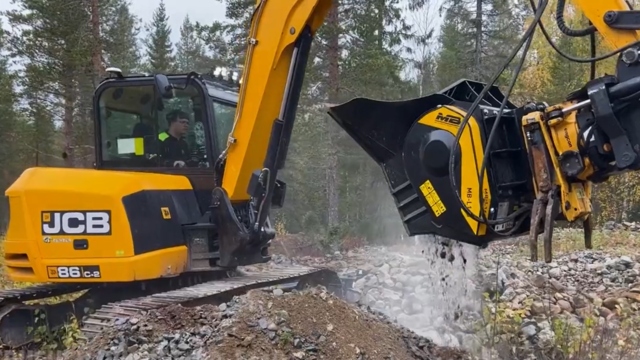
(449, 155)
(276, 55)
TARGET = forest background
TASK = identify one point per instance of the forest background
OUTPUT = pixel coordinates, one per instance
(55, 52)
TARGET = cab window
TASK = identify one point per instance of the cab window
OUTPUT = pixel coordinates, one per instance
(137, 132)
(224, 115)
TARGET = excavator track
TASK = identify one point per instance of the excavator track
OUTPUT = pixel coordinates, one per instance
(18, 316)
(38, 292)
(212, 292)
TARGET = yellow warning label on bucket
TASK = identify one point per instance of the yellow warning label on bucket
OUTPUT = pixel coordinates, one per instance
(432, 198)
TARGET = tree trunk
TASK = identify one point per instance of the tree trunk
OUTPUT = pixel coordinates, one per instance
(381, 13)
(96, 56)
(478, 49)
(97, 72)
(69, 98)
(626, 204)
(333, 57)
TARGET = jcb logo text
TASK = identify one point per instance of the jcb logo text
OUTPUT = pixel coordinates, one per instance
(76, 222)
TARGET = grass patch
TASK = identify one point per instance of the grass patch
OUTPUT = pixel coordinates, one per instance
(567, 241)
(505, 334)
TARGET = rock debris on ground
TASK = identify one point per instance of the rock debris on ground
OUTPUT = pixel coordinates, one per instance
(311, 324)
(412, 302)
(573, 287)
(438, 291)
(431, 292)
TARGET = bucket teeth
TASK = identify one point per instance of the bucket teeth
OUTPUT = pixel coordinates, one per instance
(545, 210)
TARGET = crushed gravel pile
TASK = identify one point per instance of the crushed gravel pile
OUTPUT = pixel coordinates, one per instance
(264, 324)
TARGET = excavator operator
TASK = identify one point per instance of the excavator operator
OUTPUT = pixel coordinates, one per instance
(173, 148)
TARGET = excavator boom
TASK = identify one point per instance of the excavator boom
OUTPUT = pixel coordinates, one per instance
(276, 57)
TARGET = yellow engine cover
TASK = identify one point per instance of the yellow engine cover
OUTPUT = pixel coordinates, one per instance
(96, 225)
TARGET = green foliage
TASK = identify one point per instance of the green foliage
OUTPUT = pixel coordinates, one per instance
(121, 31)
(60, 339)
(160, 57)
(190, 54)
(238, 13)
(502, 23)
(54, 38)
(8, 117)
(373, 66)
(217, 49)
(454, 60)
(566, 338)
(286, 337)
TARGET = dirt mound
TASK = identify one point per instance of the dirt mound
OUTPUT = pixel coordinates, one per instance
(264, 325)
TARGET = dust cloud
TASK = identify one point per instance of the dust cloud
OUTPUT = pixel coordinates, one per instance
(452, 301)
(433, 276)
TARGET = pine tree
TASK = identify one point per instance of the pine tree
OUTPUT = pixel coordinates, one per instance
(357, 52)
(502, 29)
(7, 94)
(454, 60)
(239, 14)
(17, 146)
(40, 114)
(377, 30)
(55, 38)
(421, 49)
(158, 42)
(376, 34)
(190, 54)
(217, 51)
(8, 137)
(487, 42)
(121, 31)
(226, 42)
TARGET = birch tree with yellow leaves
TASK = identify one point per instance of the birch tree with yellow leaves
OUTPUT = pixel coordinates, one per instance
(550, 77)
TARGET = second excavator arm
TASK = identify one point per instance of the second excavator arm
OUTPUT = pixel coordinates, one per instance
(592, 135)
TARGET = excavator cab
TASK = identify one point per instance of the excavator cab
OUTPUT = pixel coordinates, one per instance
(132, 119)
(136, 215)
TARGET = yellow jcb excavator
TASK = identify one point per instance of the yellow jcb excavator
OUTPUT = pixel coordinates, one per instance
(186, 171)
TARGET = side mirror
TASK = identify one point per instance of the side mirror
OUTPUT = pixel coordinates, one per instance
(164, 88)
